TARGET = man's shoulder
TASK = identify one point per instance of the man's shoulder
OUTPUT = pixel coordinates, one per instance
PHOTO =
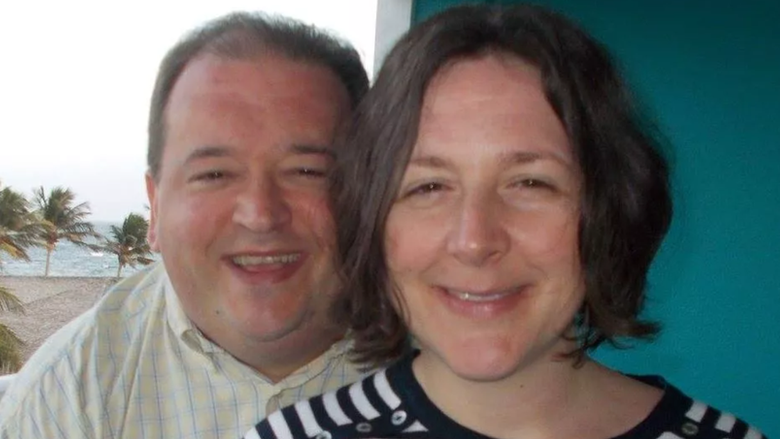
(122, 311)
(101, 334)
(133, 295)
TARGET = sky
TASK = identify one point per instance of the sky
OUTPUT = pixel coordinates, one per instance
(77, 76)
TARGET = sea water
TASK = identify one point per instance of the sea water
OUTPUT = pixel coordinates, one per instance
(70, 260)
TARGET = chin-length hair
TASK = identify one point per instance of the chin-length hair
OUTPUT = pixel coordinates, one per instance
(625, 206)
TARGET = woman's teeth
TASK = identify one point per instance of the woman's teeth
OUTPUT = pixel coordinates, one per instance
(478, 297)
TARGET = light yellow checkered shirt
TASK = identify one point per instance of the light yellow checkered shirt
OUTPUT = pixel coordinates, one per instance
(134, 366)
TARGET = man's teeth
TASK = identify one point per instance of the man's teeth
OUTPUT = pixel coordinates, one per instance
(265, 260)
(478, 297)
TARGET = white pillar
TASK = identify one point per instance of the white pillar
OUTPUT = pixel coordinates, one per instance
(393, 18)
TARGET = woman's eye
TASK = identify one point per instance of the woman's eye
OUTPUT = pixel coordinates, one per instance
(425, 189)
(533, 183)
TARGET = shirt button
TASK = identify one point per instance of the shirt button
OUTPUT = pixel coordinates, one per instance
(323, 435)
(690, 429)
(363, 427)
(398, 417)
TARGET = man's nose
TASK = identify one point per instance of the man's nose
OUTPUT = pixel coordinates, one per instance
(477, 235)
(262, 207)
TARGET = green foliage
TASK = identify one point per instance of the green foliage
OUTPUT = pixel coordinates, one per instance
(19, 228)
(9, 301)
(62, 220)
(10, 356)
(129, 242)
(10, 343)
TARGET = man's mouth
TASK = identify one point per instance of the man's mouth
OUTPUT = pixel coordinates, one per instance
(256, 260)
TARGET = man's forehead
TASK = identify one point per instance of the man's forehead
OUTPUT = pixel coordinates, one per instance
(217, 72)
(261, 81)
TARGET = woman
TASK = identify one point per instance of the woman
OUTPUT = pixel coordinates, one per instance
(512, 201)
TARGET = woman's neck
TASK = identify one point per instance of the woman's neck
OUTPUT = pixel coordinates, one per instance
(547, 399)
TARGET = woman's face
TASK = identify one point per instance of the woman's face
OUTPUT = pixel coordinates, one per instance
(482, 239)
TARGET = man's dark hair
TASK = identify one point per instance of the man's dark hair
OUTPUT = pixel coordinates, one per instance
(625, 206)
(244, 35)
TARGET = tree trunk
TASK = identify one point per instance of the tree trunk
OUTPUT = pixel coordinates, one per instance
(119, 270)
(48, 259)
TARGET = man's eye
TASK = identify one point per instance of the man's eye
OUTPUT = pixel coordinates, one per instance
(212, 175)
(209, 176)
(311, 172)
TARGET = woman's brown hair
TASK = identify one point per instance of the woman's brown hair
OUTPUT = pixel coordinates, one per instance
(626, 205)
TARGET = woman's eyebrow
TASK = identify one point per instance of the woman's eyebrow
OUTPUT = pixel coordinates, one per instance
(307, 149)
(429, 161)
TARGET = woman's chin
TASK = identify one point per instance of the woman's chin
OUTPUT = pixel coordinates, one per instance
(483, 366)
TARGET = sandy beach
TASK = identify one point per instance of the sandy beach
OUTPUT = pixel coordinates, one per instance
(49, 303)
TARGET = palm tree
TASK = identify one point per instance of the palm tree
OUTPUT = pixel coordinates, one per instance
(19, 229)
(10, 343)
(62, 220)
(129, 242)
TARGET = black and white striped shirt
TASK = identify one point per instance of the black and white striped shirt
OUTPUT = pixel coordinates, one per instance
(392, 404)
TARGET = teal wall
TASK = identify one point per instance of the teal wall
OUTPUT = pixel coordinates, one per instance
(710, 72)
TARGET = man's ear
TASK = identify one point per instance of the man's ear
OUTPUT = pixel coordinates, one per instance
(151, 193)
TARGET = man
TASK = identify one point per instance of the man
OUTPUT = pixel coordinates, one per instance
(234, 323)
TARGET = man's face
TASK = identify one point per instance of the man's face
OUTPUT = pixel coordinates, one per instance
(239, 209)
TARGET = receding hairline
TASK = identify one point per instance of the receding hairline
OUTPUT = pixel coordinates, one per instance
(273, 35)
(252, 36)
(245, 44)
(241, 44)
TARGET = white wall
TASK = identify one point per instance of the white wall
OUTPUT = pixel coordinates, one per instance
(393, 18)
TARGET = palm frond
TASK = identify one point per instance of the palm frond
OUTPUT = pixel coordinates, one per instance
(10, 343)
(10, 355)
(9, 301)
(19, 228)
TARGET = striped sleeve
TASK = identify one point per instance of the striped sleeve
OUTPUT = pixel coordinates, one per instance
(705, 422)
(367, 408)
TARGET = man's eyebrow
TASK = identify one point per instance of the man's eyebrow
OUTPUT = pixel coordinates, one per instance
(313, 149)
(207, 151)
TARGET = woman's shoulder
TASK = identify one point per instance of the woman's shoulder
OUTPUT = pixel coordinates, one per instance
(366, 408)
(680, 416)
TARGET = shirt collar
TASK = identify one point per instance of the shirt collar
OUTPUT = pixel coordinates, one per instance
(317, 366)
(181, 325)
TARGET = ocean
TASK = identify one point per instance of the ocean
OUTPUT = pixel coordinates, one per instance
(69, 260)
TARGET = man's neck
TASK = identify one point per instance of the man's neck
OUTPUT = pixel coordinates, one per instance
(279, 359)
